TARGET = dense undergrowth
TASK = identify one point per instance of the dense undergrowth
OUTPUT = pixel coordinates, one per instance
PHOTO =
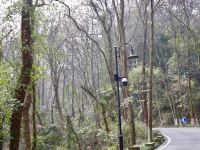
(87, 137)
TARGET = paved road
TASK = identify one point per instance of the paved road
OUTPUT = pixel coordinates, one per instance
(181, 138)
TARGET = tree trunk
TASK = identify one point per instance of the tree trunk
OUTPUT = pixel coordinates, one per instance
(192, 113)
(39, 118)
(131, 125)
(190, 100)
(34, 130)
(107, 30)
(70, 127)
(43, 88)
(64, 93)
(144, 94)
(150, 96)
(55, 77)
(169, 93)
(73, 85)
(82, 105)
(29, 97)
(168, 90)
(52, 110)
(124, 68)
(25, 76)
(81, 108)
(26, 122)
(1, 132)
(58, 105)
(104, 117)
(111, 62)
(158, 106)
(170, 100)
(178, 56)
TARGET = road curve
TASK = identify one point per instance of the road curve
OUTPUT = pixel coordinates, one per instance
(181, 138)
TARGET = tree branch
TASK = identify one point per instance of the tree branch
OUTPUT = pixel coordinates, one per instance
(157, 5)
(115, 8)
(87, 35)
(6, 35)
(178, 19)
(89, 92)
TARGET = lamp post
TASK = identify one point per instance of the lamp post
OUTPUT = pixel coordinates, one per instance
(117, 78)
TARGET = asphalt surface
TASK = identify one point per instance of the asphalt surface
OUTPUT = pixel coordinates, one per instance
(181, 138)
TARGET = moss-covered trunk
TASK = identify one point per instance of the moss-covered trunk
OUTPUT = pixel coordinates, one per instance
(24, 78)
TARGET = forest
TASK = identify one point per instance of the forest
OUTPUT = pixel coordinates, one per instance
(64, 64)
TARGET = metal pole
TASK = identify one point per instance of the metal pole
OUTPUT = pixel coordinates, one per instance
(118, 99)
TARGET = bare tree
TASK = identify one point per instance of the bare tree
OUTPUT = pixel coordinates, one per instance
(123, 61)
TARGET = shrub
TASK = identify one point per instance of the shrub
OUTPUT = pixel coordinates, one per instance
(50, 138)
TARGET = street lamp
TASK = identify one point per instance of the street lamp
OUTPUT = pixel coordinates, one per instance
(124, 81)
(132, 55)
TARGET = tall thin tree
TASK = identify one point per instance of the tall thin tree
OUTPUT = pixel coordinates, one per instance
(150, 95)
(25, 75)
(143, 67)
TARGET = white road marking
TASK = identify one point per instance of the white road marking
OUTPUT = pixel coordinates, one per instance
(168, 141)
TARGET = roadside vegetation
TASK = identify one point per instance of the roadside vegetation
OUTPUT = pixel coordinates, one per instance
(57, 66)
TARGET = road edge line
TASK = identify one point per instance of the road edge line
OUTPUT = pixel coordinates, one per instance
(164, 145)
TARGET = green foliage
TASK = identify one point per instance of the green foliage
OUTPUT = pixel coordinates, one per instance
(71, 140)
(112, 148)
(172, 64)
(143, 147)
(88, 137)
(13, 9)
(163, 51)
(96, 138)
(140, 132)
(125, 130)
(108, 100)
(37, 72)
(135, 76)
(7, 104)
(50, 138)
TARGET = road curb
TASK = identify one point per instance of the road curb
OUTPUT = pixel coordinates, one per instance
(167, 141)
